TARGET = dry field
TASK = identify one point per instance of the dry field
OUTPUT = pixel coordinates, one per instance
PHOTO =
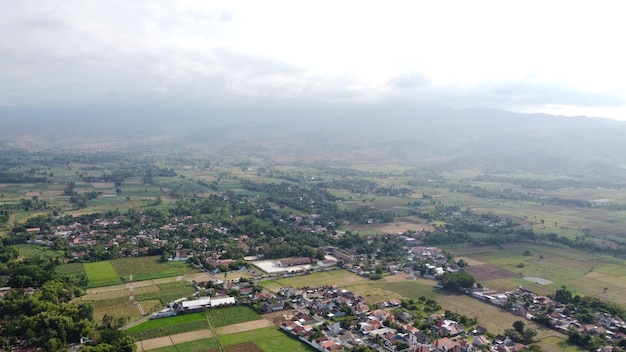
(484, 272)
(395, 227)
(247, 326)
(158, 342)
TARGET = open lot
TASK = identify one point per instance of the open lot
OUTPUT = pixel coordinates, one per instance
(401, 225)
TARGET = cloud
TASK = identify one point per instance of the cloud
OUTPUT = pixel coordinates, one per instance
(535, 92)
(410, 80)
(194, 51)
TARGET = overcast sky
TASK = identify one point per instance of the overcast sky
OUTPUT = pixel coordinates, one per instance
(561, 57)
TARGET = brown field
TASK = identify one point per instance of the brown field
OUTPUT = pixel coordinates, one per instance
(402, 225)
(151, 344)
(158, 342)
(373, 294)
(119, 311)
(468, 260)
(191, 336)
(247, 326)
(485, 272)
(395, 227)
(101, 185)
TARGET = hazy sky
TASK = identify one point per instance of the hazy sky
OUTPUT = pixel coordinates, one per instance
(563, 57)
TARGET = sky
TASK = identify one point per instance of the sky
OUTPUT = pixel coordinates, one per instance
(558, 57)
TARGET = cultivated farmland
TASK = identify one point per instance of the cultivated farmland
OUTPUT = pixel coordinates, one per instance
(143, 268)
(101, 274)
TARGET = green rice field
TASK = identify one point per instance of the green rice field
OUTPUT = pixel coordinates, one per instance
(117, 271)
(101, 274)
(169, 326)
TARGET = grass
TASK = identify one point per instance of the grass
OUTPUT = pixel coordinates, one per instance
(191, 346)
(411, 289)
(101, 274)
(232, 315)
(168, 292)
(146, 268)
(490, 316)
(559, 344)
(72, 269)
(168, 326)
(584, 273)
(31, 250)
(269, 339)
(342, 278)
(372, 291)
(169, 330)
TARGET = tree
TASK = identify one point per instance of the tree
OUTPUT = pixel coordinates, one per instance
(528, 335)
(519, 326)
(458, 282)
(563, 295)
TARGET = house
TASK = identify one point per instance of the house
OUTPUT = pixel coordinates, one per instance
(222, 301)
(294, 261)
(272, 307)
(445, 344)
(480, 340)
(326, 263)
(196, 304)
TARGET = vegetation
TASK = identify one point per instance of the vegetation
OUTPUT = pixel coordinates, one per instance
(457, 281)
(46, 318)
(232, 315)
(84, 220)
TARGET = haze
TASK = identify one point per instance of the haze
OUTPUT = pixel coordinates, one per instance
(558, 57)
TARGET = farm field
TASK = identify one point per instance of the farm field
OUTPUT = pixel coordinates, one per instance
(30, 250)
(113, 300)
(101, 274)
(143, 268)
(232, 315)
(583, 273)
(72, 269)
(220, 317)
(169, 326)
(333, 277)
(117, 271)
(269, 339)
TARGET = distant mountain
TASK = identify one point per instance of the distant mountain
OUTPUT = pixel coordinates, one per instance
(483, 139)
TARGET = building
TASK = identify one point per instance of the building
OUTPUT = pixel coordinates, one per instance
(294, 261)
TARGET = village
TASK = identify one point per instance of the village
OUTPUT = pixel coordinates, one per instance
(316, 309)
